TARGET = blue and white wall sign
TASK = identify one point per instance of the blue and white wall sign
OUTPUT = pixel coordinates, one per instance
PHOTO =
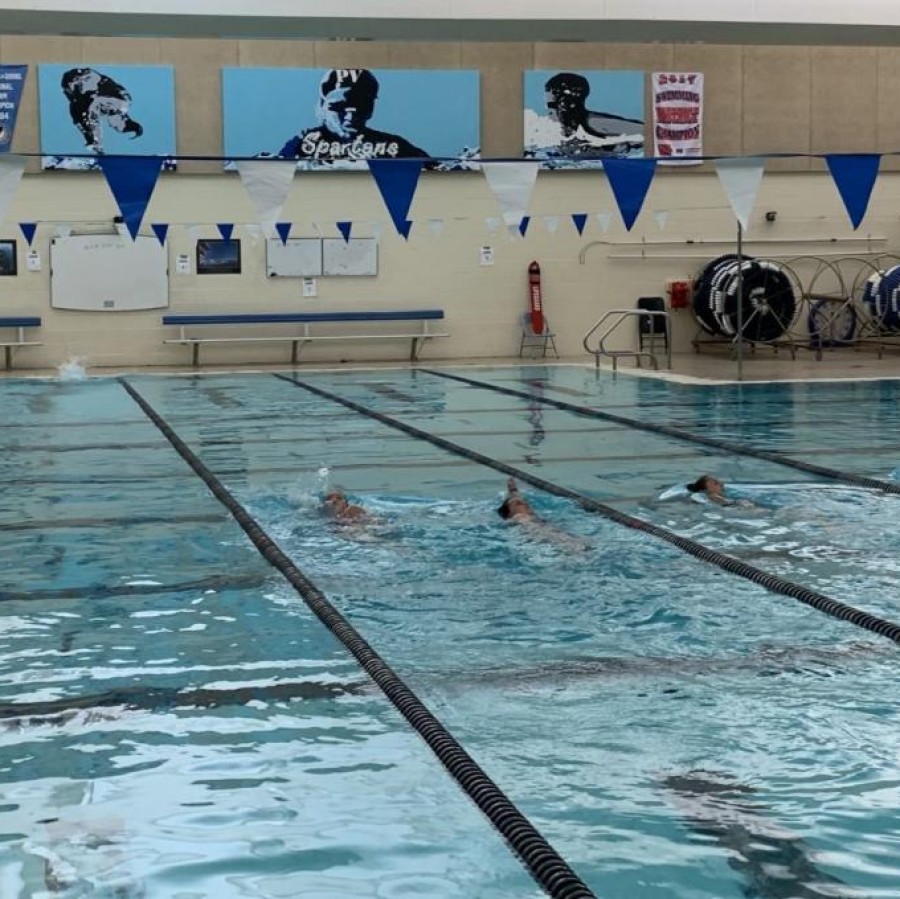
(574, 120)
(105, 110)
(12, 80)
(340, 118)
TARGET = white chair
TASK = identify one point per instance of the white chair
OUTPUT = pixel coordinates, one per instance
(536, 343)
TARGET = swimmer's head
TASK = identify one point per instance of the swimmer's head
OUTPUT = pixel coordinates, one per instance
(334, 500)
(706, 484)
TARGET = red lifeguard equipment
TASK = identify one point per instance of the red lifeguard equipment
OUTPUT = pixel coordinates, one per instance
(534, 293)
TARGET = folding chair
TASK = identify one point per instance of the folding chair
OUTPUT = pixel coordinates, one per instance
(537, 343)
(652, 326)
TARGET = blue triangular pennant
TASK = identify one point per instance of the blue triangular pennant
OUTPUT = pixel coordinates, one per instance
(283, 229)
(630, 180)
(226, 229)
(397, 180)
(131, 180)
(579, 219)
(854, 176)
(524, 222)
(160, 230)
(28, 229)
(345, 228)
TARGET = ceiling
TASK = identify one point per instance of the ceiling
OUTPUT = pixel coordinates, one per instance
(16, 21)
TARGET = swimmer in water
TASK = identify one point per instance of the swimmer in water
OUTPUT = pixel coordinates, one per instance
(516, 509)
(342, 511)
(714, 490)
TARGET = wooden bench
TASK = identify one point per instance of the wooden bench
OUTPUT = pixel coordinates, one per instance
(19, 323)
(308, 320)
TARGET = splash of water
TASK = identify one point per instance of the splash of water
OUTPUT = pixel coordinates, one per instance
(309, 488)
(72, 369)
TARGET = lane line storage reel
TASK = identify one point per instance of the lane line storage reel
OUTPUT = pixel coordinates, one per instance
(881, 297)
(769, 304)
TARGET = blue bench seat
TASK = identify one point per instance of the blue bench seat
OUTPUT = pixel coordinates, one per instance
(19, 323)
(307, 333)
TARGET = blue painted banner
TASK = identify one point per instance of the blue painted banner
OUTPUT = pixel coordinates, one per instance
(105, 110)
(340, 118)
(12, 80)
(574, 120)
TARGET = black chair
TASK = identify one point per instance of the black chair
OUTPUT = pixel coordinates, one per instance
(652, 326)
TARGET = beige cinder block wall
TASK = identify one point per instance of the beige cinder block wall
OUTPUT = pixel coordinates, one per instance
(758, 99)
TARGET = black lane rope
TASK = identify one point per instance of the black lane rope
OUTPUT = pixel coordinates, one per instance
(819, 601)
(543, 862)
(738, 449)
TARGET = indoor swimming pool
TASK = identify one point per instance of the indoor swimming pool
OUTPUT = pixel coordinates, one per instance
(176, 722)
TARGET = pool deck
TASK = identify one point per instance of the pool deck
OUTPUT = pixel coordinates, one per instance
(709, 367)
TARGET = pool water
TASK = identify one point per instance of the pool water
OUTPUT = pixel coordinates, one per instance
(674, 731)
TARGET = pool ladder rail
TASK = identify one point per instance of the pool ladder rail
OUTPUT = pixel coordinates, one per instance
(622, 315)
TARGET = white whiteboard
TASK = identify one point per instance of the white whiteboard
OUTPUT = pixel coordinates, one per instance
(108, 273)
(300, 257)
(357, 256)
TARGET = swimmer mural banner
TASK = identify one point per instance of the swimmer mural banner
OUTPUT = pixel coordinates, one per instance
(678, 117)
(574, 120)
(338, 119)
(12, 80)
(90, 111)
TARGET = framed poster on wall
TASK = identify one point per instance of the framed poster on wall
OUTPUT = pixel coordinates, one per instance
(8, 261)
(218, 257)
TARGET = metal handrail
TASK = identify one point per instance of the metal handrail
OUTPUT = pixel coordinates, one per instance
(636, 354)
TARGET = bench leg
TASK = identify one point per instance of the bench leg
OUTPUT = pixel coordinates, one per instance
(416, 347)
(195, 354)
(294, 352)
(7, 353)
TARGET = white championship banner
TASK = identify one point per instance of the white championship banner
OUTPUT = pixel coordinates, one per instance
(678, 117)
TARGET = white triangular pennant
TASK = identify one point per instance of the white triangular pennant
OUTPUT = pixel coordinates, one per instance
(195, 232)
(436, 226)
(63, 232)
(11, 168)
(317, 229)
(377, 230)
(551, 223)
(661, 217)
(741, 178)
(512, 184)
(492, 224)
(604, 219)
(267, 183)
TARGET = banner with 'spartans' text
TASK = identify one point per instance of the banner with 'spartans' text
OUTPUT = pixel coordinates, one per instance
(337, 119)
(12, 80)
(678, 117)
(575, 120)
(93, 110)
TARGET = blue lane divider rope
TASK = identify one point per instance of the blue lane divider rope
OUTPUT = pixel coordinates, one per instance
(738, 449)
(819, 601)
(542, 861)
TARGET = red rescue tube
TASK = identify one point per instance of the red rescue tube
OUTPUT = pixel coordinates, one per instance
(534, 291)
